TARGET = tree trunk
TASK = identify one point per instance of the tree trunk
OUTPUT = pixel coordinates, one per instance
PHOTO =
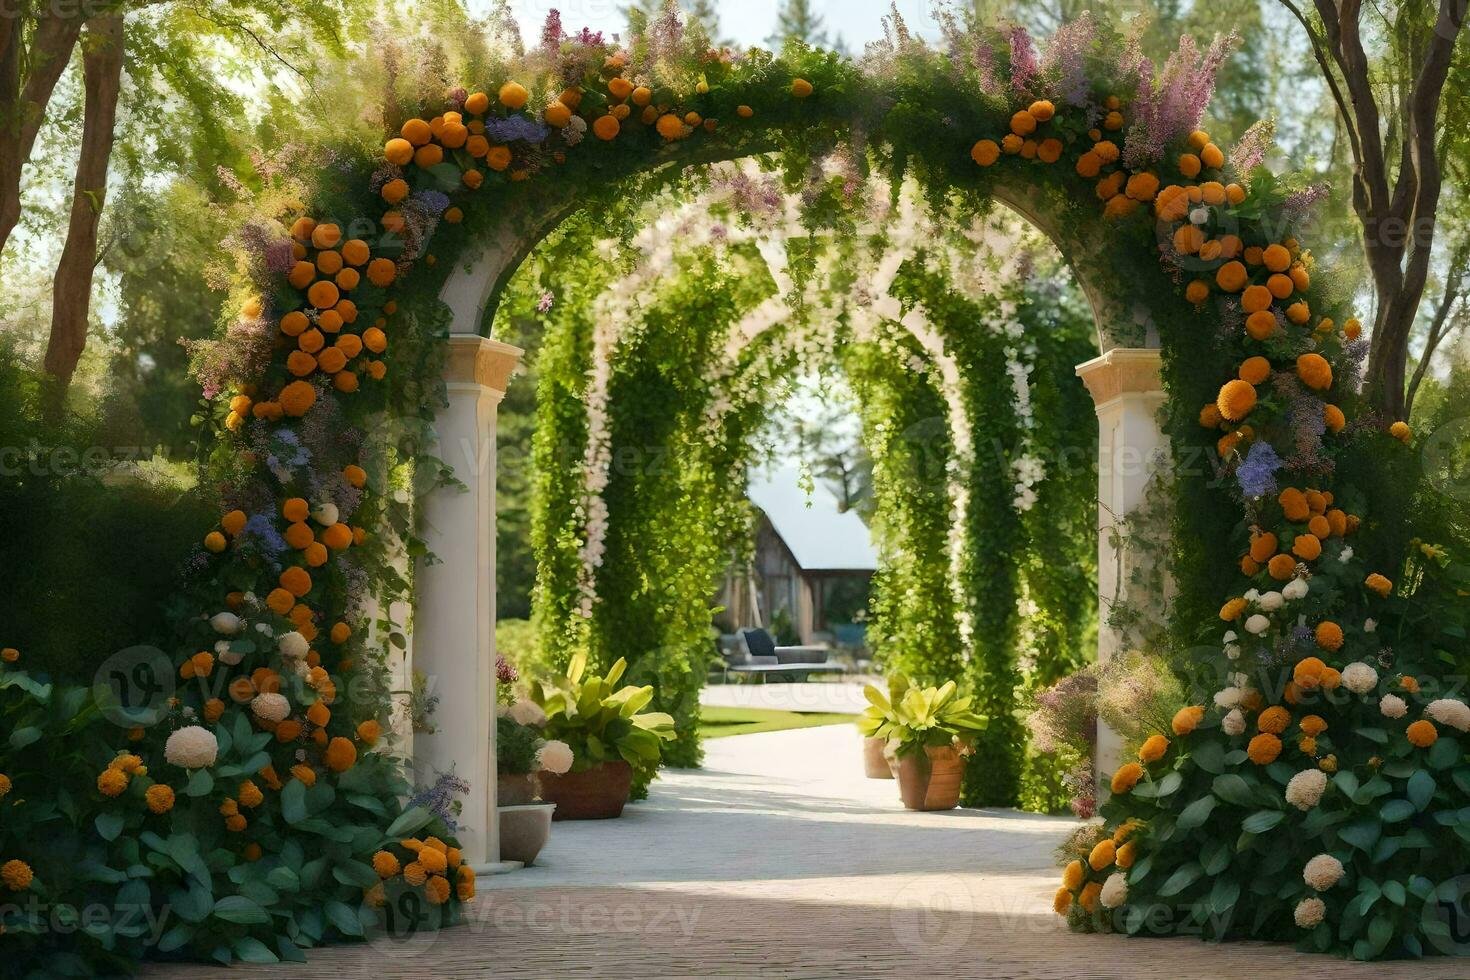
(71, 297)
(23, 101)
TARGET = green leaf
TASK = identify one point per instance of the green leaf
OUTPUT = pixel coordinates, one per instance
(22, 737)
(1234, 789)
(293, 802)
(200, 783)
(1362, 834)
(1223, 894)
(1347, 782)
(1196, 813)
(109, 825)
(409, 821)
(240, 910)
(1261, 821)
(355, 873)
(283, 879)
(344, 919)
(1395, 810)
(253, 951)
(1209, 756)
(1445, 752)
(1169, 784)
(1215, 857)
(1182, 878)
(1394, 892)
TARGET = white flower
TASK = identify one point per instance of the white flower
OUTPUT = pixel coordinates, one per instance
(527, 712)
(1370, 625)
(1306, 788)
(1114, 890)
(1233, 651)
(271, 707)
(1233, 723)
(1241, 681)
(230, 658)
(1228, 697)
(1253, 595)
(1257, 624)
(225, 623)
(1199, 216)
(191, 748)
(1297, 588)
(325, 514)
(1359, 678)
(293, 645)
(1229, 637)
(1272, 601)
(264, 629)
(1448, 711)
(554, 757)
(1310, 912)
(1347, 555)
(1322, 872)
(220, 646)
(1392, 706)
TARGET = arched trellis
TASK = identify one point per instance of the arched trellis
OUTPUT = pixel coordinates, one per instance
(1129, 418)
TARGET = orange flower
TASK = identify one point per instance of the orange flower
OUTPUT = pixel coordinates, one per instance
(341, 755)
(1231, 277)
(1274, 720)
(369, 731)
(1422, 733)
(1263, 749)
(1127, 854)
(1061, 901)
(1126, 778)
(385, 864)
(160, 798)
(1104, 852)
(985, 152)
(1314, 371)
(1263, 546)
(305, 774)
(436, 890)
(1093, 889)
(1254, 370)
(1401, 432)
(1142, 187)
(16, 875)
(1307, 674)
(1329, 635)
(1307, 547)
(1153, 748)
(1313, 725)
(1187, 719)
(1236, 400)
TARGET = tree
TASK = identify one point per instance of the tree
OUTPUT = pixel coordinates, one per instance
(796, 21)
(1400, 132)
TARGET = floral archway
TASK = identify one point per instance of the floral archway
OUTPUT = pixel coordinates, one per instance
(1315, 788)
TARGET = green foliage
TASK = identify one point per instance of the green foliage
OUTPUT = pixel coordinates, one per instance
(516, 746)
(602, 722)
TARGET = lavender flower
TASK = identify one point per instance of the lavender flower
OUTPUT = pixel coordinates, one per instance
(1024, 65)
(1250, 150)
(279, 257)
(1298, 204)
(1257, 475)
(442, 798)
(261, 529)
(552, 34)
(1171, 105)
(434, 202)
(545, 303)
(1067, 53)
(505, 671)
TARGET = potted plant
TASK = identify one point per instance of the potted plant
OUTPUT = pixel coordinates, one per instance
(522, 756)
(876, 761)
(928, 730)
(609, 734)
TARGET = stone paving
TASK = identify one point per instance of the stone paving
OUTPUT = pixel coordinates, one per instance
(779, 860)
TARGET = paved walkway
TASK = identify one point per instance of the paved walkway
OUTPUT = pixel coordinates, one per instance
(840, 697)
(779, 860)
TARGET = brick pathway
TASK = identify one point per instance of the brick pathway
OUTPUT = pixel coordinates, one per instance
(778, 860)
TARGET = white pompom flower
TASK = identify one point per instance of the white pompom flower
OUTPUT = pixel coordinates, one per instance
(293, 645)
(554, 757)
(225, 623)
(1228, 697)
(1360, 678)
(1310, 912)
(325, 514)
(1297, 588)
(1448, 711)
(1233, 723)
(191, 748)
(1322, 872)
(1306, 788)
(1392, 706)
(271, 707)
(1257, 624)
(1271, 601)
(527, 712)
(1114, 891)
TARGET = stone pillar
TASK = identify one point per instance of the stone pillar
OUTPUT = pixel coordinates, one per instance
(1126, 387)
(454, 635)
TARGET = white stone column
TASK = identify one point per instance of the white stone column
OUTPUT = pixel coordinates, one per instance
(1126, 387)
(454, 634)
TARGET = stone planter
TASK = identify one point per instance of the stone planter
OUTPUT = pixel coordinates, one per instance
(930, 781)
(524, 830)
(517, 788)
(875, 765)
(595, 794)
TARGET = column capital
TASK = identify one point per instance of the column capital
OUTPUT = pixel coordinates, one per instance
(481, 361)
(1122, 371)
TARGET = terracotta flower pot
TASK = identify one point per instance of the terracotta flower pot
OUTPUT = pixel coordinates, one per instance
(595, 794)
(875, 766)
(524, 830)
(517, 788)
(930, 781)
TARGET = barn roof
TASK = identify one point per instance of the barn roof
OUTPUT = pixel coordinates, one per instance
(821, 536)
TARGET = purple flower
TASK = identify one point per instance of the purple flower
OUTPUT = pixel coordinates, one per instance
(1171, 105)
(442, 798)
(1067, 52)
(261, 529)
(434, 202)
(1250, 150)
(505, 671)
(1257, 475)
(514, 128)
(545, 302)
(552, 34)
(279, 257)
(1024, 65)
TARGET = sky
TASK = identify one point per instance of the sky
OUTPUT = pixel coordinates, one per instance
(745, 22)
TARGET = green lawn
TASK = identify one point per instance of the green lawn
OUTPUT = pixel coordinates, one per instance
(719, 722)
